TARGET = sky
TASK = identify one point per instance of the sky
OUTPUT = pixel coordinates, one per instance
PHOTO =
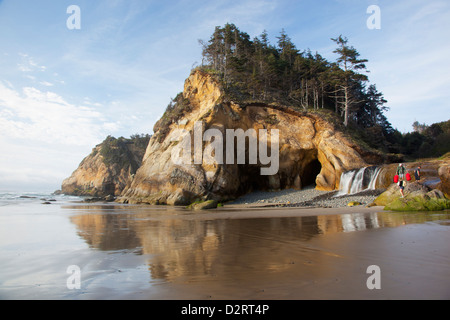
(64, 86)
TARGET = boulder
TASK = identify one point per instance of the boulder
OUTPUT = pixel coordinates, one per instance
(205, 205)
(110, 198)
(391, 193)
(444, 176)
(180, 197)
(418, 197)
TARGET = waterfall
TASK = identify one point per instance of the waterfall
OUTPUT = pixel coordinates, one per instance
(373, 181)
(358, 180)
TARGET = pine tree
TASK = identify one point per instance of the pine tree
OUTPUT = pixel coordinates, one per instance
(257, 70)
(349, 62)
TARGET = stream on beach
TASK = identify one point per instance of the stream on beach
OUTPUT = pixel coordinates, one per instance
(119, 251)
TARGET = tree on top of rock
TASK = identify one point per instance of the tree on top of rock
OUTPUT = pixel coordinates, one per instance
(256, 70)
(348, 60)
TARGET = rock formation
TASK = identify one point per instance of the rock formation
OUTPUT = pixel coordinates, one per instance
(108, 169)
(435, 173)
(430, 193)
(444, 177)
(429, 172)
(310, 149)
(418, 197)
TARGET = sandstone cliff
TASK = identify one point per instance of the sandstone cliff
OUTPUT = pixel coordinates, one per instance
(108, 169)
(310, 149)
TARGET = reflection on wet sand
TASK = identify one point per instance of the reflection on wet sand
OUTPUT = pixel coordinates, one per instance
(207, 248)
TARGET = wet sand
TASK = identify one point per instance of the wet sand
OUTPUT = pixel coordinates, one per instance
(161, 253)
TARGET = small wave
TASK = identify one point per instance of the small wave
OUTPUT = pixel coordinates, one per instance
(8, 198)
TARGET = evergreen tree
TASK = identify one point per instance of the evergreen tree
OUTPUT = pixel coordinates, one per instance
(257, 70)
(348, 60)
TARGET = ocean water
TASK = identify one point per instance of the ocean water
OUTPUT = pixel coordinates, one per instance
(69, 249)
(27, 197)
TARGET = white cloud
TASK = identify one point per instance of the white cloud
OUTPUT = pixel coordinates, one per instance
(46, 83)
(36, 166)
(28, 64)
(44, 137)
(120, 70)
(47, 117)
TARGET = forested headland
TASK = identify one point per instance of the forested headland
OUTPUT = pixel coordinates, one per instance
(256, 70)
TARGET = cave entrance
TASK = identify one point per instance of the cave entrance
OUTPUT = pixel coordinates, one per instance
(310, 173)
(251, 179)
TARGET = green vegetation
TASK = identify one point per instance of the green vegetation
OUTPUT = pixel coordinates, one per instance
(254, 70)
(418, 204)
(174, 111)
(120, 151)
(417, 198)
(426, 141)
(139, 141)
(204, 205)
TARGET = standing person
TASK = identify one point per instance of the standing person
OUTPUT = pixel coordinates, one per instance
(401, 184)
(417, 173)
(401, 171)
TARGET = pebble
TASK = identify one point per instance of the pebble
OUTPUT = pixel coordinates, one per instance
(307, 197)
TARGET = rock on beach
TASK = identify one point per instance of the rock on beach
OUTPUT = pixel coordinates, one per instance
(307, 197)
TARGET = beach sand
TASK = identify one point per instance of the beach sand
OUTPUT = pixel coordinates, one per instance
(292, 254)
(236, 252)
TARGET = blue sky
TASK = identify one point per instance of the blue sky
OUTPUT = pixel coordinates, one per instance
(63, 91)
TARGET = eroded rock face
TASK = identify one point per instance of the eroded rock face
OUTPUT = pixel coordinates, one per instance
(310, 151)
(103, 174)
(444, 176)
(94, 178)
